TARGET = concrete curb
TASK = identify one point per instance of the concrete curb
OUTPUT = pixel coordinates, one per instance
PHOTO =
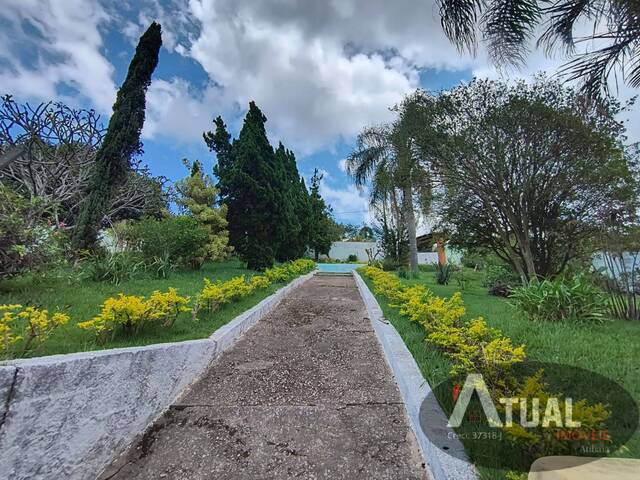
(228, 334)
(68, 416)
(414, 389)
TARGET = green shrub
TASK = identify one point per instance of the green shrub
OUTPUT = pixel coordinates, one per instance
(27, 243)
(575, 299)
(175, 240)
(500, 280)
(402, 272)
(389, 265)
(352, 258)
(429, 267)
(473, 260)
(115, 267)
(163, 266)
(460, 279)
(443, 273)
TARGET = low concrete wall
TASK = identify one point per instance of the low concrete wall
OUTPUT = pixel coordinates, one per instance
(67, 416)
(414, 389)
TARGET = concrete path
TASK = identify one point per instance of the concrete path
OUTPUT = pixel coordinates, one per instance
(306, 393)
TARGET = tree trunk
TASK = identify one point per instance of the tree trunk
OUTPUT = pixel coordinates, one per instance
(409, 215)
(442, 254)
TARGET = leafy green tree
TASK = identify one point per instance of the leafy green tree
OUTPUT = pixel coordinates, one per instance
(122, 140)
(27, 243)
(198, 198)
(323, 229)
(531, 171)
(508, 27)
(389, 157)
(354, 233)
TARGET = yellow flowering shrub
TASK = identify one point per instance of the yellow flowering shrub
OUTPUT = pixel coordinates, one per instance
(302, 265)
(131, 313)
(167, 306)
(286, 271)
(215, 294)
(126, 311)
(472, 346)
(548, 440)
(259, 281)
(25, 328)
(277, 274)
(218, 293)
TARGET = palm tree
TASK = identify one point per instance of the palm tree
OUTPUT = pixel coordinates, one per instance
(388, 156)
(508, 26)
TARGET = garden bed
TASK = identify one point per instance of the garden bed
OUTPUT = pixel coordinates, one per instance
(81, 301)
(610, 349)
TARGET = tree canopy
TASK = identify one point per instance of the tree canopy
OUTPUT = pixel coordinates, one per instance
(392, 158)
(122, 140)
(530, 171)
(197, 197)
(268, 207)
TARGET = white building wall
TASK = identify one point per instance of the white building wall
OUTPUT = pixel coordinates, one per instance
(426, 258)
(342, 250)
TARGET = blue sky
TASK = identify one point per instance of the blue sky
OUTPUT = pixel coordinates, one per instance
(320, 71)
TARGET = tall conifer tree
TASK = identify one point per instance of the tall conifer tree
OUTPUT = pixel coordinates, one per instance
(122, 140)
(269, 209)
(322, 231)
(291, 244)
(254, 197)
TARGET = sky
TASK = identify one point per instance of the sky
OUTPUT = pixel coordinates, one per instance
(319, 70)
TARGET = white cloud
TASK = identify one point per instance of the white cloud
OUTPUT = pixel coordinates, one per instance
(63, 42)
(175, 110)
(320, 71)
(350, 204)
(312, 90)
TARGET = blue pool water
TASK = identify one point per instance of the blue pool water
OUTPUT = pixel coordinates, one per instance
(338, 267)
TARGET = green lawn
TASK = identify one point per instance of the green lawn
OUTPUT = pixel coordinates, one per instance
(611, 349)
(82, 301)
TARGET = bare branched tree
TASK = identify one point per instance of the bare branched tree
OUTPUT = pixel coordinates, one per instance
(49, 152)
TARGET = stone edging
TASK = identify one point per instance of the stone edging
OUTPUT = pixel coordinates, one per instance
(67, 416)
(414, 388)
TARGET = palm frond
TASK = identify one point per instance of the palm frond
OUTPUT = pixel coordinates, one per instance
(458, 19)
(508, 27)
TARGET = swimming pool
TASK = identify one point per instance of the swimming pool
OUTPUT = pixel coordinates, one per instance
(339, 267)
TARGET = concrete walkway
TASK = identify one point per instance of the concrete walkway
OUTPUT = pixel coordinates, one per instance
(306, 393)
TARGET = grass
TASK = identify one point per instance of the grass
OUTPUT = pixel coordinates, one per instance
(611, 349)
(82, 301)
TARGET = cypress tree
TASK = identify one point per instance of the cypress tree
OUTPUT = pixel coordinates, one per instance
(291, 243)
(220, 143)
(254, 198)
(122, 140)
(322, 227)
(269, 210)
